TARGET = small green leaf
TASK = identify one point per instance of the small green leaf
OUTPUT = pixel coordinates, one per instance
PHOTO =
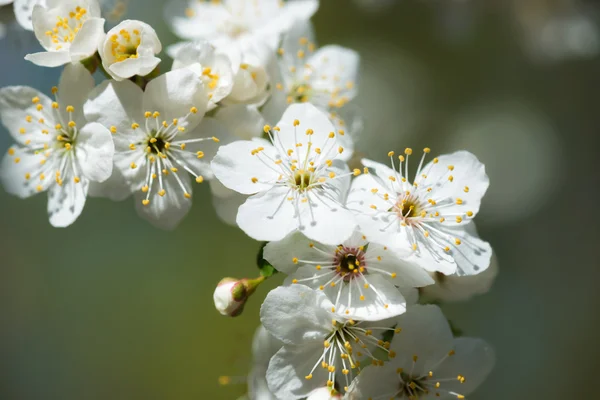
(266, 269)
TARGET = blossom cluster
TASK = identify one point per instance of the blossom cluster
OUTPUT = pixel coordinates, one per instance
(254, 107)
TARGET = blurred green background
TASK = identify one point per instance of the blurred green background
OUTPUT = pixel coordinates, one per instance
(112, 308)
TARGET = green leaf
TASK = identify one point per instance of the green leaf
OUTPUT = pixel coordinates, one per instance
(266, 269)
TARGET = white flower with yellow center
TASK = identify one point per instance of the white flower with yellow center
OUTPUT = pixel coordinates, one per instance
(69, 30)
(130, 49)
(360, 278)
(298, 180)
(431, 364)
(211, 66)
(429, 215)
(162, 141)
(325, 77)
(250, 77)
(320, 348)
(238, 21)
(57, 149)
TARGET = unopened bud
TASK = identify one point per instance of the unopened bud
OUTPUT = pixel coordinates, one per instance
(230, 297)
(231, 294)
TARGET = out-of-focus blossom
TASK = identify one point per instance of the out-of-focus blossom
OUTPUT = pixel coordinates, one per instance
(130, 49)
(69, 30)
(241, 22)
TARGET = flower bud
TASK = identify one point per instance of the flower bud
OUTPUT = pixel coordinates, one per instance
(230, 296)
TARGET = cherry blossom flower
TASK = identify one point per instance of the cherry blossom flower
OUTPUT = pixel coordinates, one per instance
(360, 278)
(161, 140)
(213, 67)
(431, 364)
(297, 180)
(57, 149)
(237, 21)
(129, 49)
(429, 215)
(320, 348)
(69, 31)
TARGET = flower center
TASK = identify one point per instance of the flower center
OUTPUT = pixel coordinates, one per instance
(349, 262)
(407, 207)
(66, 28)
(412, 388)
(125, 44)
(156, 144)
(299, 93)
(302, 179)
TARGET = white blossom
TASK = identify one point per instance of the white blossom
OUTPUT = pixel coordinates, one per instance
(359, 277)
(237, 21)
(213, 68)
(161, 139)
(429, 215)
(250, 69)
(69, 31)
(320, 348)
(298, 180)
(326, 77)
(130, 49)
(57, 149)
(431, 364)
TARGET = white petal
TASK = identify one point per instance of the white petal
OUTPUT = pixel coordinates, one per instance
(296, 315)
(235, 166)
(49, 58)
(460, 288)
(117, 104)
(88, 39)
(201, 22)
(425, 333)
(296, 39)
(114, 188)
(407, 274)
(336, 71)
(264, 346)
(299, 9)
(469, 184)
(474, 359)
(17, 167)
(227, 207)
(268, 215)
(381, 300)
(309, 117)
(15, 105)
(288, 369)
(325, 220)
(174, 94)
(374, 382)
(295, 245)
(258, 389)
(23, 10)
(473, 255)
(366, 192)
(95, 151)
(244, 121)
(133, 66)
(166, 212)
(66, 202)
(74, 86)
